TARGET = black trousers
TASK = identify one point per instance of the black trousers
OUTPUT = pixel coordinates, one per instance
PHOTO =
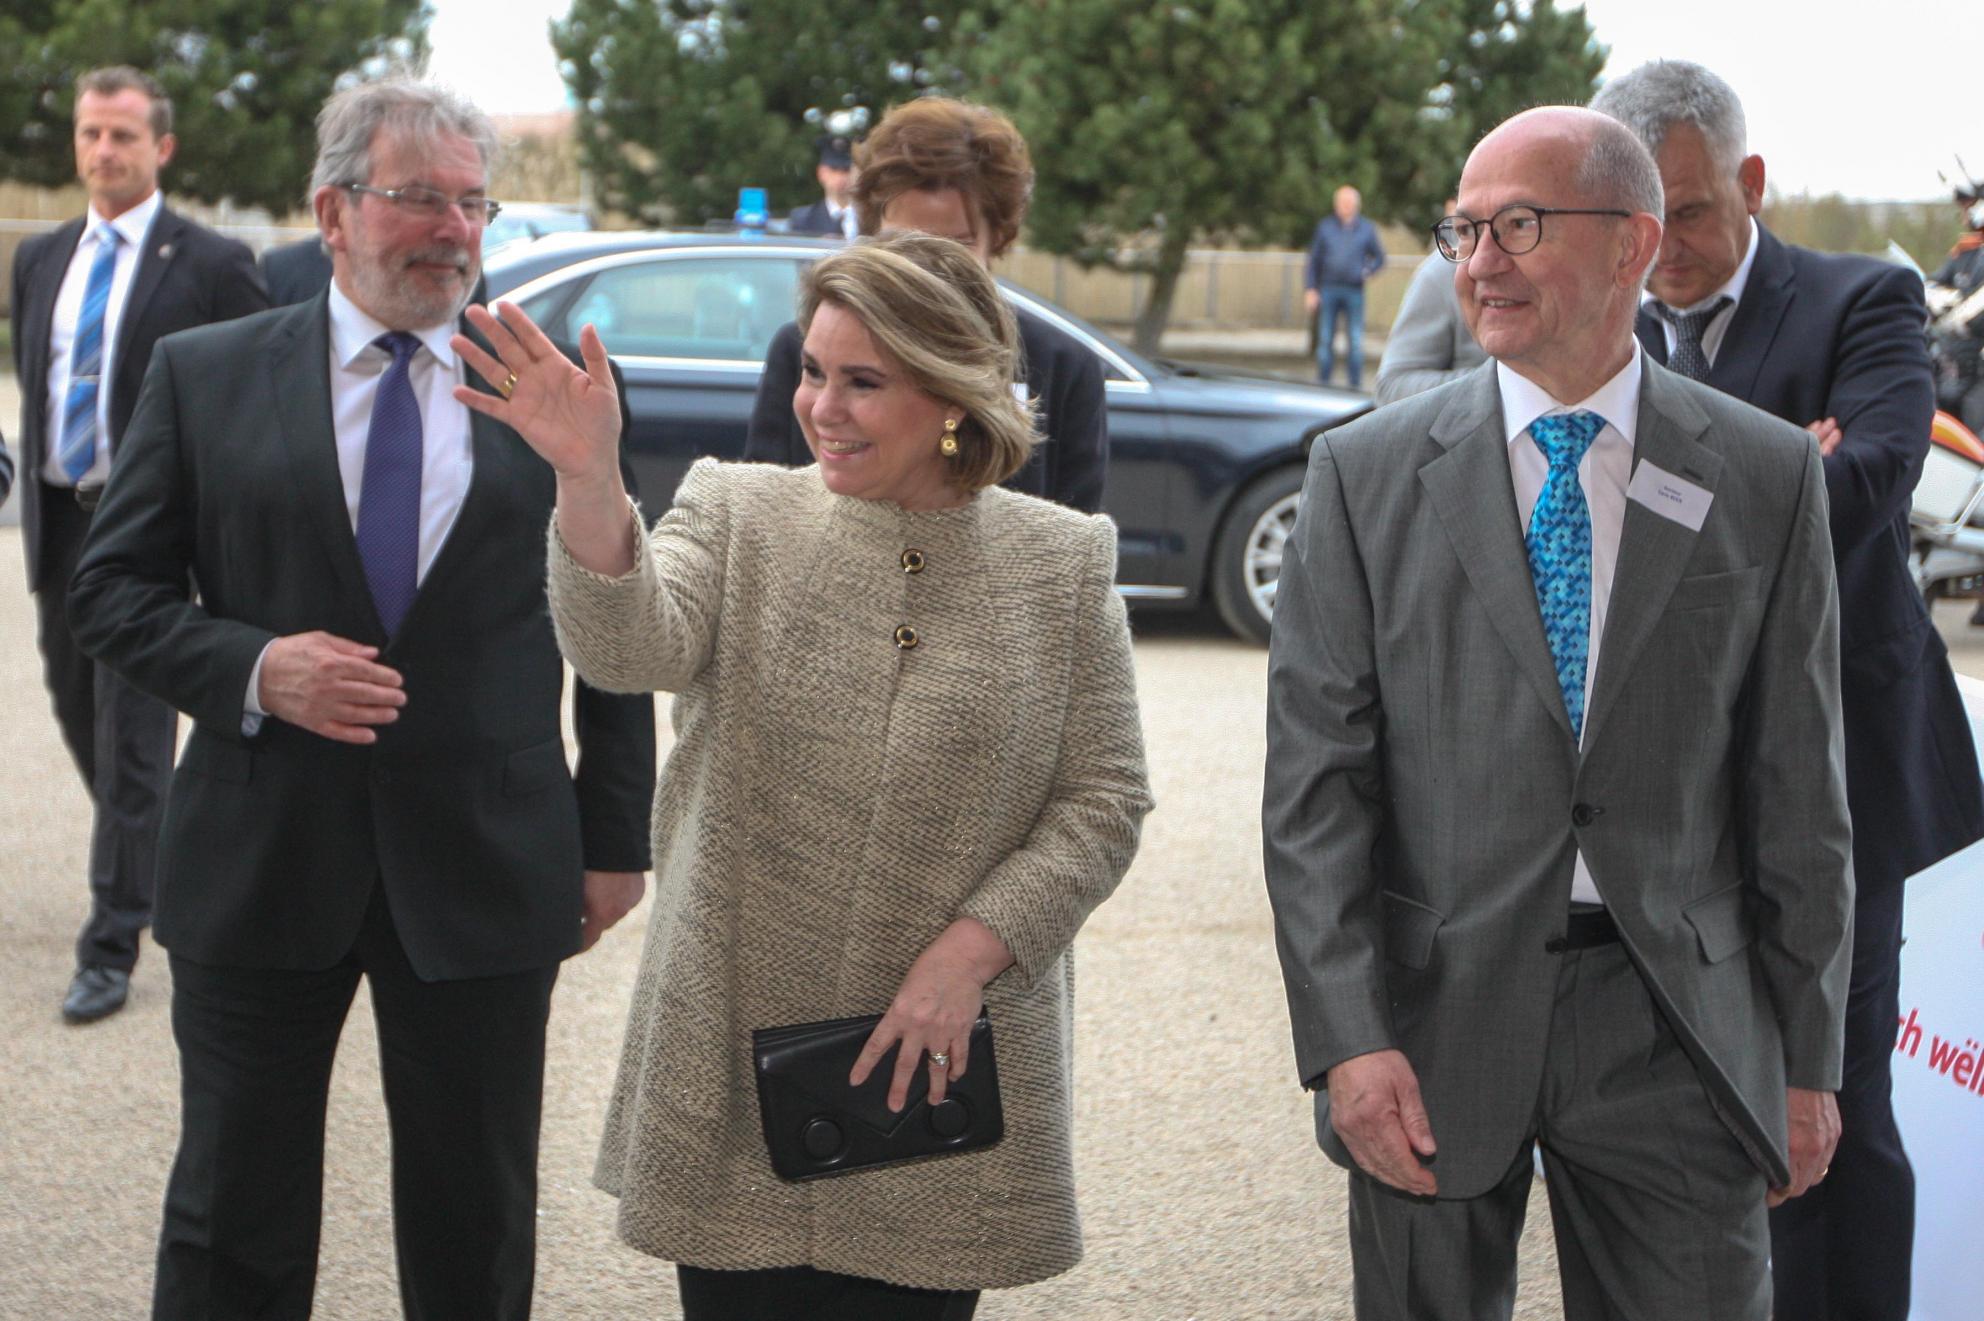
(463, 1068)
(1843, 1251)
(121, 740)
(801, 1293)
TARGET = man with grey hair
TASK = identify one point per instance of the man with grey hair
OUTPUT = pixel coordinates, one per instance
(90, 299)
(1555, 831)
(1834, 344)
(375, 786)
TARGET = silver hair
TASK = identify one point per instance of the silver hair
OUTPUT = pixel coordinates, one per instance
(1655, 97)
(351, 119)
(1618, 171)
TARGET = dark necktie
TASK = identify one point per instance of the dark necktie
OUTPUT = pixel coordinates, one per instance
(389, 493)
(1688, 358)
(1559, 543)
(76, 454)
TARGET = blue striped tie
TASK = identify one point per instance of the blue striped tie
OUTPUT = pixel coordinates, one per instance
(389, 493)
(1559, 543)
(76, 454)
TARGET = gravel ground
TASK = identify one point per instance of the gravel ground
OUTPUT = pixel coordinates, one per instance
(1203, 1191)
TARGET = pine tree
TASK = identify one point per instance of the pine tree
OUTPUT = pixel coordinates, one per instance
(246, 78)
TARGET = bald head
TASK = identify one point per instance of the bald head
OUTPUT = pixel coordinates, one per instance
(1559, 312)
(1347, 204)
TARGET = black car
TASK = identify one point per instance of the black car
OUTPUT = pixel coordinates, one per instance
(1204, 463)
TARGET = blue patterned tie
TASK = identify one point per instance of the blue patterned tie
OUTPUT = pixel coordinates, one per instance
(389, 494)
(1560, 551)
(76, 454)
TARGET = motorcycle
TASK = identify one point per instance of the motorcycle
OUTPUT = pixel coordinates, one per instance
(1946, 516)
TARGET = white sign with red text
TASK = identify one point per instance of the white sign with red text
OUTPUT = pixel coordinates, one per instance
(1939, 1069)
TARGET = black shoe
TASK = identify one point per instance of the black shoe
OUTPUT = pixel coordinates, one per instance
(95, 992)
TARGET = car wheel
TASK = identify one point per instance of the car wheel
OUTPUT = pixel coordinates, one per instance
(1247, 553)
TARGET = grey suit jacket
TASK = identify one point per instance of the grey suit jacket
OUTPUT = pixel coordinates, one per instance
(1429, 343)
(1425, 797)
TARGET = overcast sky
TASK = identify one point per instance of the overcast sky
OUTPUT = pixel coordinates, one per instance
(1866, 100)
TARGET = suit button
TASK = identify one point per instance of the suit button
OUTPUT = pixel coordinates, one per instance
(1554, 945)
(912, 561)
(1584, 814)
(906, 638)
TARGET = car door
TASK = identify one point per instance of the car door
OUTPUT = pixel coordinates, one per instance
(689, 330)
(1138, 492)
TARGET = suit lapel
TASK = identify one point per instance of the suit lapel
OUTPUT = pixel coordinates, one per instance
(36, 324)
(1474, 495)
(161, 247)
(1652, 336)
(1754, 324)
(300, 368)
(1653, 549)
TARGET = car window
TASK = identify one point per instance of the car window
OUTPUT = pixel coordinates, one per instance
(686, 307)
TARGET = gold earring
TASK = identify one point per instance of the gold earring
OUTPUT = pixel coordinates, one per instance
(949, 444)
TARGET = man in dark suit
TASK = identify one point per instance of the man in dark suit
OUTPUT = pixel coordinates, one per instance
(1834, 344)
(833, 215)
(376, 784)
(296, 272)
(90, 299)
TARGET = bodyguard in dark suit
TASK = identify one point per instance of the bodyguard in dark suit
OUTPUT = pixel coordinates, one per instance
(1832, 343)
(960, 171)
(376, 784)
(90, 299)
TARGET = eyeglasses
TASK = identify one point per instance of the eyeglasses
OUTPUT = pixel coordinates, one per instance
(1517, 229)
(430, 204)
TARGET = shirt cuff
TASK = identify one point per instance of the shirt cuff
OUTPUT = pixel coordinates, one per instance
(252, 713)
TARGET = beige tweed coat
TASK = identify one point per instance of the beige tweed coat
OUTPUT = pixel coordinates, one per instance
(834, 800)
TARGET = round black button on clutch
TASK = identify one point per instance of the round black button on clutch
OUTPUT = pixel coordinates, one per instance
(906, 638)
(912, 561)
(1583, 815)
(822, 1139)
(950, 1118)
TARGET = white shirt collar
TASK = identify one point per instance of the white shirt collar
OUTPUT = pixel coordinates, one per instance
(353, 331)
(1732, 289)
(134, 224)
(1617, 401)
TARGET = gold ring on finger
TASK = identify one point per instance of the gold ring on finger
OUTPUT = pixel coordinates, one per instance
(940, 1059)
(507, 385)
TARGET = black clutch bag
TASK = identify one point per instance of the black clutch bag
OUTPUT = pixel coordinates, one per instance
(816, 1125)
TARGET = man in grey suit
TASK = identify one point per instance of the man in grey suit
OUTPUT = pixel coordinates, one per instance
(1555, 822)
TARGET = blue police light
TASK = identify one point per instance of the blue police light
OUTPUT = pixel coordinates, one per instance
(753, 211)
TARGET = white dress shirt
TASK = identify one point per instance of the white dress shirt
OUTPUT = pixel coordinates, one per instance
(133, 227)
(845, 217)
(447, 459)
(1718, 326)
(1603, 475)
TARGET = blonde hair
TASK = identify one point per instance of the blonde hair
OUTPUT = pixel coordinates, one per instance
(929, 305)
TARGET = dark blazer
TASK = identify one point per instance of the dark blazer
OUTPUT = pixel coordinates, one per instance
(296, 272)
(187, 276)
(1816, 336)
(463, 809)
(1062, 377)
(814, 218)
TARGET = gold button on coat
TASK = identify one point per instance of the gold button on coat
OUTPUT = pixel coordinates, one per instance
(912, 561)
(906, 637)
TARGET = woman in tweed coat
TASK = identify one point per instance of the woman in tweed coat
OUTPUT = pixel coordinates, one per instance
(908, 764)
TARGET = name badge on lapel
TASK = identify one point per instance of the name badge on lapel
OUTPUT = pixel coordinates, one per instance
(1669, 496)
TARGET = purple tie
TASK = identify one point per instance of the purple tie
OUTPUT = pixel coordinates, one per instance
(389, 495)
